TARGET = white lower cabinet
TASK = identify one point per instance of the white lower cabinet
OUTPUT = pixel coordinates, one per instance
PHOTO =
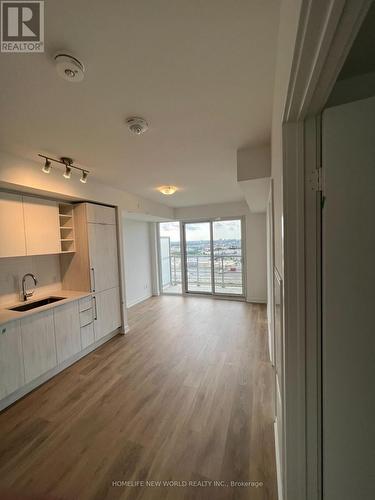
(38, 342)
(87, 335)
(67, 330)
(107, 312)
(12, 374)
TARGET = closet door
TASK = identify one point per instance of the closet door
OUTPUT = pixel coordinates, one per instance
(103, 256)
(348, 341)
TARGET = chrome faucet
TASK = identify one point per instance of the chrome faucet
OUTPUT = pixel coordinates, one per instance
(25, 293)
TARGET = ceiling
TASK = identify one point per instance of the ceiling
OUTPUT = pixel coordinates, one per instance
(361, 58)
(200, 71)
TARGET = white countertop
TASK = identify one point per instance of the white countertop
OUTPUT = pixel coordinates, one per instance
(69, 295)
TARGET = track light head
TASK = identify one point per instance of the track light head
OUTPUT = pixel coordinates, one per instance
(47, 167)
(84, 176)
(68, 172)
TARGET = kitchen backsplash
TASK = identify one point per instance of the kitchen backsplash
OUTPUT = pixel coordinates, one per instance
(45, 267)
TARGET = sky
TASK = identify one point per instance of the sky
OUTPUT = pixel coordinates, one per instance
(224, 229)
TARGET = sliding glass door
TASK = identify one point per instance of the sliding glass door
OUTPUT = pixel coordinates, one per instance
(214, 257)
(227, 257)
(198, 257)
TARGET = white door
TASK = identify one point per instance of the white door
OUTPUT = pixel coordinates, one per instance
(107, 312)
(12, 374)
(38, 342)
(41, 226)
(12, 227)
(103, 256)
(67, 330)
(348, 341)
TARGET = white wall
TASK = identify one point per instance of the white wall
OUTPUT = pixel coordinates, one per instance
(137, 254)
(256, 245)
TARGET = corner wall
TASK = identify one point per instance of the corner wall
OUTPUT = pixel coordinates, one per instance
(137, 257)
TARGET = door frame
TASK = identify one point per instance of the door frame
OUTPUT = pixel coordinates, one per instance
(211, 220)
(213, 294)
(326, 31)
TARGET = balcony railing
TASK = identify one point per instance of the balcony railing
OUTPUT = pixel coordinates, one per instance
(227, 272)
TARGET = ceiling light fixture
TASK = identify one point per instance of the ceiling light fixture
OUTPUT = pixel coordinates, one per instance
(168, 190)
(47, 166)
(68, 163)
(68, 172)
(83, 178)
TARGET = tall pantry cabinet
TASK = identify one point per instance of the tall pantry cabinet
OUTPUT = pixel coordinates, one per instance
(94, 266)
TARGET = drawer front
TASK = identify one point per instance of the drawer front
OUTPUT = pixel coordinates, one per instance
(86, 317)
(87, 335)
(85, 303)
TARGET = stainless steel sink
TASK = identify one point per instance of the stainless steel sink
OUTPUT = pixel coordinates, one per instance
(36, 303)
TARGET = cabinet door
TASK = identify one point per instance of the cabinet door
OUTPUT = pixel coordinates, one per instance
(103, 256)
(100, 214)
(12, 226)
(38, 341)
(12, 374)
(41, 226)
(107, 312)
(67, 330)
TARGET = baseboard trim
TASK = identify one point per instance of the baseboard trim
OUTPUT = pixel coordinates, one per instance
(278, 463)
(138, 301)
(256, 301)
(29, 387)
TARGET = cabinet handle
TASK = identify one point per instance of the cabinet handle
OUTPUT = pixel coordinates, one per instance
(93, 286)
(96, 311)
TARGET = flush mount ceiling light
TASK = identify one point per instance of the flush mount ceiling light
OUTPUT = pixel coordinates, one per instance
(168, 190)
(137, 125)
(69, 67)
(68, 163)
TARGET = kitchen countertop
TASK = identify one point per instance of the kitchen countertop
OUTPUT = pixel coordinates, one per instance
(69, 295)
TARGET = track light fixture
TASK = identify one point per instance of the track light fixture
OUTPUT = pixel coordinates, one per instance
(68, 163)
(83, 178)
(47, 167)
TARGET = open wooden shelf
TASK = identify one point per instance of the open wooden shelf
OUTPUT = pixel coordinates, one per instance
(67, 241)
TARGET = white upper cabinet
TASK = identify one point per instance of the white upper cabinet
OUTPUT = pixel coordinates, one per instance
(12, 228)
(100, 214)
(41, 226)
(103, 256)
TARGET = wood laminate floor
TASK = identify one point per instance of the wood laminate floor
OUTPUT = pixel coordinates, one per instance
(185, 396)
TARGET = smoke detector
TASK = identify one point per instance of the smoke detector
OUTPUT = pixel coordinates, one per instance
(69, 67)
(137, 125)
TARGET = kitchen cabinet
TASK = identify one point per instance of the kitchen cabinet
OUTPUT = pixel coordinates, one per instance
(41, 226)
(12, 374)
(103, 256)
(100, 214)
(67, 330)
(107, 312)
(38, 341)
(87, 335)
(12, 226)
